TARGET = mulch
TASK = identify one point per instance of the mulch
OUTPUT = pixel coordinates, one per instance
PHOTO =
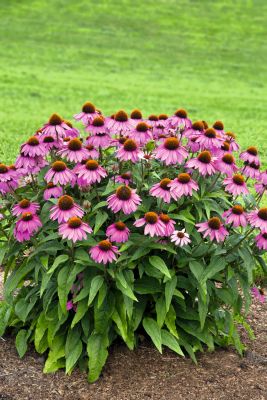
(144, 374)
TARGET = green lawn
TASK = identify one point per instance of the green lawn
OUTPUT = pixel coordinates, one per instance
(207, 56)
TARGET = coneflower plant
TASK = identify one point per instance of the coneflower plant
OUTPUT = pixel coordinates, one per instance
(139, 226)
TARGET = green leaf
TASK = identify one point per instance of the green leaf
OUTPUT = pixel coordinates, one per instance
(197, 269)
(153, 330)
(16, 277)
(215, 266)
(161, 311)
(21, 342)
(147, 285)
(97, 353)
(58, 260)
(158, 263)
(170, 321)
(73, 349)
(169, 291)
(170, 341)
(101, 217)
(56, 352)
(100, 205)
(82, 307)
(96, 284)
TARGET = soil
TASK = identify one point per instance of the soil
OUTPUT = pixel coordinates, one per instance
(144, 374)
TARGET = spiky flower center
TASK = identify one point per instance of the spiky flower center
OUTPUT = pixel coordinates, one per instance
(66, 139)
(136, 114)
(151, 218)
(153, 117)
(49, 139)
(163, 117)
(264, 235)
(88, 108)
(205, 124)
(214, 223)
(204, 157)
(231, 135)
(90, 147)
(237, 209)
(65, 202)
(68, 123)
(180, 235)
(13, 167)
(130, 145)
(171, 143)
(181, 113)
(218, 125)
(123, 193)
(126, 175)
(55, 119)
(91, 165)
(74, 222)
(120, 226)
(122, 140)
(105, 245)
(164, 184)
(253, 166)
(210, 133)
(3, 169)
(238, 179)
(184, 178)
(27, 216)
(121, 116)
(228, 159)
(164, 218)
(59, 166)
(75, 145)
(262, 213)
(142, 127)
(225, 146)
(33, 141)
(24, 203)
(50, 185)
(252, 151)
(98, 121)
(198, 126)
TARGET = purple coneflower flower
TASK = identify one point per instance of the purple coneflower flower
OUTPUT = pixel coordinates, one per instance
(91, 172)
(236, 216)
(258, 218)
(183, 185)
(74, 151)
(60, 173)
(204, 163)
(124, 199)
(135, 117)
(65, 209)
(26, 226)
(168, 224)
(100, 136)
(214, 229)
(141, 134)
(8, 179)
(263, 177)
(209, 139)
(70, 305)
(93, 153)
(250, 155)
(129, 151)
(260, 188)
(171, 151)
(180, 238)
(118, 232)
(104, 252)
(153, 225)
(231, 139)
(55, 127)
(50, 142)
(87, 114)
(180, 119)
(236, 185)
(125, 178)
(195, 130)
(226, 164)
(162, 190)
(219, 129)
(52, 191)
(251, 170)
(120, 123)
(261, 241)
(33, 147)
(258, 294)
(25, 206)
(161, 126)
(75, 229)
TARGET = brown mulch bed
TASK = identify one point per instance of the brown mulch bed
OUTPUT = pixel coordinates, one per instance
(144, 374)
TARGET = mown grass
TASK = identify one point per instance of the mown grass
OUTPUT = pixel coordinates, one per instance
(208, 56)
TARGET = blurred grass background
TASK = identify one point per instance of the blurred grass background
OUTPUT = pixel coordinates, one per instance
(209, 57)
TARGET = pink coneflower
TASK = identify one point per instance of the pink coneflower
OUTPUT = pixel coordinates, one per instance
(129, 151)
(25, 206)
(100, 136)
(180, 119)
(231, 139)
(60, 173)
(162, 190)
(204, 163)
(65, 209)
(180, 238)
(209, 139)
(261, 241)
(33, 147)
(70, 130)
(168, 224)
(226, 164)
(8, 179)
(87, 114)
(91, 172)
(195, 130)
(161, 126)
(104, 252)
(125, 178)
(219, 128)
(236, 185)
(193, 145)
(258, 218)
(75, 229)
(152, 121)
(26, 226)
(235, 216)
(120, 123)
(183, 185)
(251, 170)
(55, 127)
(171, 151)
(258, 294)
(52, 191)
(135, 117)
(26, 163)
(141, 134)
(153, 225)
(98, 126)
(250, 155)
(263, 177)
(124, 199)
(214, 229)
(118, 232)
(71, 306)
(260, 188)
(74, 151)
(93, 153)
(50, 142)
